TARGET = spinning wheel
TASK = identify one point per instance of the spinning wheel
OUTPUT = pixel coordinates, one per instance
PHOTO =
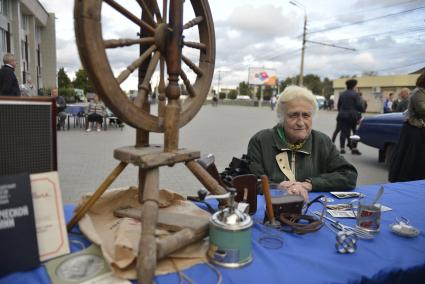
(160, 49)
(161, 43)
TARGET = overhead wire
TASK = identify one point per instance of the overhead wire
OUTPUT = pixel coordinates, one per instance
(399, 31)
(366, 20)
(408, 30)
(378, 7)
(399, 67)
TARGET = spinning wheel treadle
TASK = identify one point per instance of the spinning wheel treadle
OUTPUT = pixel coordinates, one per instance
(161, 45)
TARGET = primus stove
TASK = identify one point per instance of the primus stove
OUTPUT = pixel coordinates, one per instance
(230, 236)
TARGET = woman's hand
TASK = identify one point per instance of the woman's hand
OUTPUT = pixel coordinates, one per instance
(297, 188)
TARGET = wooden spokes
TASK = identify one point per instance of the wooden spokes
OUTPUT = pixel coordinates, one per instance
(151, 62)
(113, 43)
(193, 22)
(130, 16)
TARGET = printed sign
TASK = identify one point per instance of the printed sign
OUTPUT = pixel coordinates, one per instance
(262, 76)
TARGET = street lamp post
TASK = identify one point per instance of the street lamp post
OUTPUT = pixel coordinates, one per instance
(301, 6)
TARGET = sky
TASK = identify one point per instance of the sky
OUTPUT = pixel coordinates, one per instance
(381, 36)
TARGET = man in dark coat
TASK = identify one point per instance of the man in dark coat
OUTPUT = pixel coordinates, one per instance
(404, 100)
(349, 107)
(8, 82)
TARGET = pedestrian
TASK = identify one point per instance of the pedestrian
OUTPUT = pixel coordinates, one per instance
(363, 102)
(8, 83)
(273, 102)
(28, 88)
(349, 106)
(353, 143)
(408, 161)
(388, 103)
(338, 127)
(215, 100)
(404, 100)
(331, 103)
(61, 106)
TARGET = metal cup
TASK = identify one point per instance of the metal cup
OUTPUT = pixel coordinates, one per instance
(368, 216)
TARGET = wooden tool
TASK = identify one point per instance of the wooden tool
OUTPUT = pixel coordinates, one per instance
(267, 198)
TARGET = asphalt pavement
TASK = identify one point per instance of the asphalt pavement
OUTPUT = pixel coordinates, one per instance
(86, 159)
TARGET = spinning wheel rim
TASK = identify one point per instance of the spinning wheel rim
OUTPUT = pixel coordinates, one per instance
(90, 42)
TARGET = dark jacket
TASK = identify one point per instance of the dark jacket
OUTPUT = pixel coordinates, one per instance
(402, 105)
(318, 160)
(415, 114)
(349, 105)
(60, 103)
(8, 82)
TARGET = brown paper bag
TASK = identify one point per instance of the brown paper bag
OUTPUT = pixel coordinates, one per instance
(119, 237)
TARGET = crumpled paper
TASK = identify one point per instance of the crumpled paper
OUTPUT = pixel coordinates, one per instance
(119, 238)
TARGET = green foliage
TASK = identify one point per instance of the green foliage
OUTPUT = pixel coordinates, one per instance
(327, 88)
(370, 73)
(82, 81)
(68, 94)
(44, 92)
(313, 83)
(267, 93)
(258, 92)
(63, 79)
(232, 94)
(222, 96)
(245, 89)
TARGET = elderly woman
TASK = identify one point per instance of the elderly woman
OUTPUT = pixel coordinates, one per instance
(296, 157)
(95, 113)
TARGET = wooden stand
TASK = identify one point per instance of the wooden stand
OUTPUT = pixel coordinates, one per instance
(161, 40)
(149, 159)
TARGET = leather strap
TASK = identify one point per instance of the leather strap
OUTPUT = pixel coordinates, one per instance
(308, 223)
(303, 223)
(283, 162)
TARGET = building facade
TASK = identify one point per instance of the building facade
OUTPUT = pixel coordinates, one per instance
(375, 89)
(27, 30)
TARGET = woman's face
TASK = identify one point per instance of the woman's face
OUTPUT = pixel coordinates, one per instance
(298, 120)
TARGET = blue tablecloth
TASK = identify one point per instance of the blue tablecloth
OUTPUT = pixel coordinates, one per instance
(74, 109)
(312, 258)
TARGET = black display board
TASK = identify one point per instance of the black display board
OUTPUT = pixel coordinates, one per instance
(27, 135)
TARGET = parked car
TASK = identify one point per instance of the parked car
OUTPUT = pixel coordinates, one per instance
(243, 97)
(381, 131)
(320, 101)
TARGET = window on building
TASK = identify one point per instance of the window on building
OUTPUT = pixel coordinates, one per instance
(4, 7)
(37, 34)
(24, 22)
(3, 40)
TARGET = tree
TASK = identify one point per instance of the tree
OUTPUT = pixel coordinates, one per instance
(327, 88)
(283, 84)
(245, 89)
(63, 79)
(370, 73)
(313, 83)
(82, 81)
(267, 92)
(232, 94)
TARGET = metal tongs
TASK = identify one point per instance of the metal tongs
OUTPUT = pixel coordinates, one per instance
(362, 234)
